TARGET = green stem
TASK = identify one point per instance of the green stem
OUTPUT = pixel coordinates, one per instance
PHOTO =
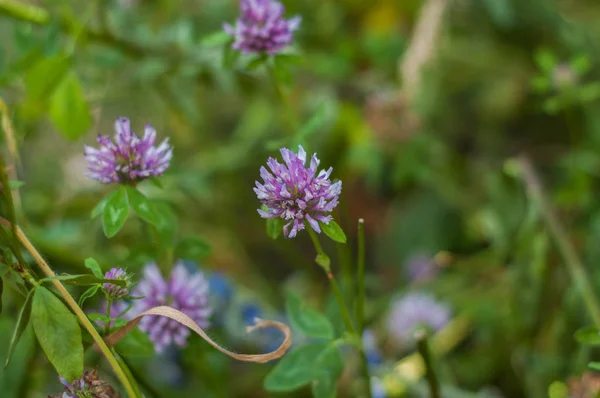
(423, 347)
(323, 260)
(75, 308)
(287, 107)
(571, 260)
(360, 277)
(360, 304)
(107, 324)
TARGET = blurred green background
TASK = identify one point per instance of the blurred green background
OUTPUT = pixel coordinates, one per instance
(421, 108)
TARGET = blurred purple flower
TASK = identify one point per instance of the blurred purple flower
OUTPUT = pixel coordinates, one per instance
(414, 310)
(261, 27)
(421, 267)
(185, 291)
(294, 192)
(128, 157)
(116, 292)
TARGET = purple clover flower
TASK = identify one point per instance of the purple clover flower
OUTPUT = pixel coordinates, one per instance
(116, 292)
(261, 27)
(412, 311)
(129, 157)
(297, 193)
(185, 291)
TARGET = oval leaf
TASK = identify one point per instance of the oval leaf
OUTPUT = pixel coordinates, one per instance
(307, 320)
(334, 231)
(69, 109)
(274, 227)
(92, 265)
(44, 76)
(588, 335)
(330, 365)
(115, 213)
(91, 292)
(142, 206)
(58, 333)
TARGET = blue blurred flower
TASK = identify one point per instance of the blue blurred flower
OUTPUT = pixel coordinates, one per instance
(373, 354)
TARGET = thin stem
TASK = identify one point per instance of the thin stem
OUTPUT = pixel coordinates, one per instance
(107, 324)
(323, 260)
(564, 246)
(75, 308)
(423, 347)
(360, 304)
(340, 300)
(360, 277)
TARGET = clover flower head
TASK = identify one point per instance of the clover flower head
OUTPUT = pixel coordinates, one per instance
(127, 157)
(184, 291)
(116, 292)
(415, 310)
(261, 27)
(297, 193)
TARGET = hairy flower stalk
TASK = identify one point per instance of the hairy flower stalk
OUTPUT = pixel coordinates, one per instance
(184, 291)
(261, 27)
(297, 193)
(127, 158)
(415, 310)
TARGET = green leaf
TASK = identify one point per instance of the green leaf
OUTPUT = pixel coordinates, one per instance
(230, 56)
(83, 280)
(99, 209)
(14, 184)
(295, 369)
(216, 39)
(91, 292)
(594, 365)
(323, 260)
(274, 227)
(545, 60)
(92, 265)
(588, 335)
(69, 109)
(168, 223)
(257, 61)
(143, 207)
(334, 231)
(193, 248)
(135, 344)
(307, 320)
(58, 333)
(156, 182)
(22, 322)
(115, 213)
(44, 76)
(330, 366)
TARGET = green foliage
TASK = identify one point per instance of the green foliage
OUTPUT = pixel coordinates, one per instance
(143, 207)
(334, 231)
(115, 212)
(58, 333)
(69, 110)
(307, 320)
(92, 265)
(22, 322)
(274, 227)
(135, 344)
(193, 248)
(296, 369)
